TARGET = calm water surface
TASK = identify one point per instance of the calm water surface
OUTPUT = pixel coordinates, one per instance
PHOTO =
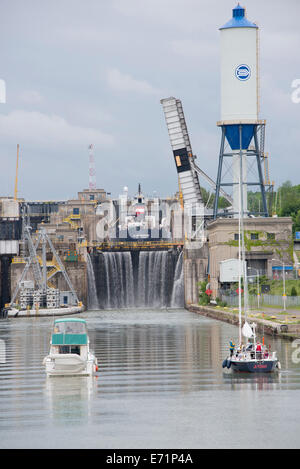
(160, 385)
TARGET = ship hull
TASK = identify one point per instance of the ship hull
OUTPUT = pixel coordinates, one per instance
(16, 313)
(69, 365)
(253, 366)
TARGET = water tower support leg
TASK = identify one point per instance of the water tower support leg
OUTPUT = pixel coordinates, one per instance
(219, 175)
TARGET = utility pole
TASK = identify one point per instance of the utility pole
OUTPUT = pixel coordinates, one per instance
(16, 179)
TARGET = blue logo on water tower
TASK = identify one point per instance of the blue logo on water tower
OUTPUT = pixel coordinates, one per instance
(243, 72)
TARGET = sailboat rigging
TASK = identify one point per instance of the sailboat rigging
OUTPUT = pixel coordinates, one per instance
(251, 356)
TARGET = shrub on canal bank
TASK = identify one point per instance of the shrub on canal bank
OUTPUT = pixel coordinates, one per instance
(294, 291)
(205, 296)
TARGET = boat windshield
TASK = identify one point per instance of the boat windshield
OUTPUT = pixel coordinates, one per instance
(70, 327)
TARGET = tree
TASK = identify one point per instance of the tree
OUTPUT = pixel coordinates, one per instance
(293, 291)
(288, 203)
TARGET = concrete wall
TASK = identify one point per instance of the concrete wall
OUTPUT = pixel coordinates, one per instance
(5, 275)
(195, 270)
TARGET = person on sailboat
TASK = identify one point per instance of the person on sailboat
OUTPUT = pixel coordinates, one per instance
(231, 347)
(258, 350)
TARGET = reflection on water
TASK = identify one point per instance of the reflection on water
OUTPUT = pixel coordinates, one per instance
(160, 384)
(69, 398)
(255, 382)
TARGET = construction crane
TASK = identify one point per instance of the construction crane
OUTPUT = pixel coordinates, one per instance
(32, 260)
(39, 266)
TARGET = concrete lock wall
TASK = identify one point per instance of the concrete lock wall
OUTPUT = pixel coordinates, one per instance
(195, 270)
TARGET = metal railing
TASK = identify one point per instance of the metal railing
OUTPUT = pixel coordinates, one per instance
(265, 300)
(132, 245)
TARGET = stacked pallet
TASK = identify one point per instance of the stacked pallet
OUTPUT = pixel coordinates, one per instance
(53, 298)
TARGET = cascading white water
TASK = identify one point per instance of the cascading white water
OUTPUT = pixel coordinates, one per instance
(119, 279)
(177, 300)
(145, 279)
(152, 279)
(92, 299)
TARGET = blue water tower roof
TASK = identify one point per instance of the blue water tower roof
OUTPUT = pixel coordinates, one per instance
(239, 19)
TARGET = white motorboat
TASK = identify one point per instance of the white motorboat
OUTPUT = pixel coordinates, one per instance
(69, 350)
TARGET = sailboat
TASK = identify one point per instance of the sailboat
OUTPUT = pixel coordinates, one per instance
(251, 356)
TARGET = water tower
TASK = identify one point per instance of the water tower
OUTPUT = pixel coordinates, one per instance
(242, 142)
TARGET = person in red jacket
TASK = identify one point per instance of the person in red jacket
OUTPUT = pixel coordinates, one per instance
(258, 350)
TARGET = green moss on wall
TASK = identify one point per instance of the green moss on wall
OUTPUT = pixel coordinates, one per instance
(264, 243)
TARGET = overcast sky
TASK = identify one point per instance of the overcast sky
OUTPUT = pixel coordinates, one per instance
(94, 71)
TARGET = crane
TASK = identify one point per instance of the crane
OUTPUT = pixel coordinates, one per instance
(40, 273)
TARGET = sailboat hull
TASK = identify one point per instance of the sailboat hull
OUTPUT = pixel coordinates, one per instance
(253, 366)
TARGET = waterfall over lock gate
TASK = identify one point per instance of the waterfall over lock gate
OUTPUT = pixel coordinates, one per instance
(177, 299)
(137, 279)
(92, 298)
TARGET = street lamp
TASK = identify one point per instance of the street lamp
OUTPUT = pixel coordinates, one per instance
(284, 295)
(257, 283)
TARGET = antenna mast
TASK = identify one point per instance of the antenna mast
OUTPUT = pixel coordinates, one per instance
(92, 169)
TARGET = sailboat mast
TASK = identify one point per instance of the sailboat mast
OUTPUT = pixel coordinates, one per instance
(240, 274)
(240, 249)
(241, 216)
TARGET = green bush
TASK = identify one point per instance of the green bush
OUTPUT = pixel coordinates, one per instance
(294, 291)
(204, 299)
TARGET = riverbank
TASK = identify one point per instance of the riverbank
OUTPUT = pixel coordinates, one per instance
(269, 321)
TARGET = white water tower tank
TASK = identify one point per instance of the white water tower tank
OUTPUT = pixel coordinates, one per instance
(239, 69)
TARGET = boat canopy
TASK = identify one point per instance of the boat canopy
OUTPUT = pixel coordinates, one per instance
(70, 331)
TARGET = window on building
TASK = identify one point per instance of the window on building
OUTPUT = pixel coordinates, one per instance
(270, 235)
(254, 236)
(92, 197)
(236, 237)
(75, 211)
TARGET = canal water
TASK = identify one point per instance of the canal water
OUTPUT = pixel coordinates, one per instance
(160, 385)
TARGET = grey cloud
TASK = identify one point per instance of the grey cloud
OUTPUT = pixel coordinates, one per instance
(102, 67)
